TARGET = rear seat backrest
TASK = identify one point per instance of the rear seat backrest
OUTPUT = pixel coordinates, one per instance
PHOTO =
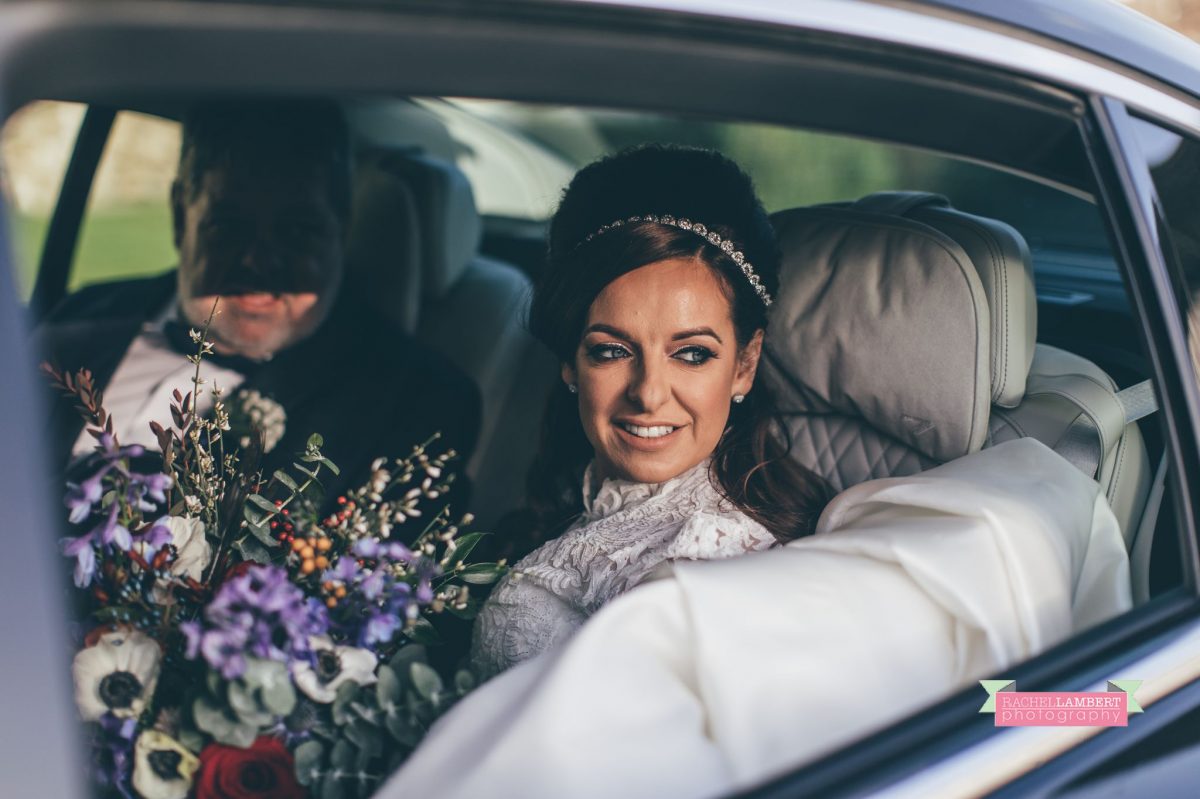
(468, 307)
(900, 322)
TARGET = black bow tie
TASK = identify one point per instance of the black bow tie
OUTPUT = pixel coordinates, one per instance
(179, 338)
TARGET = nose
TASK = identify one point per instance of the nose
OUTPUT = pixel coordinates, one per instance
(649, 385)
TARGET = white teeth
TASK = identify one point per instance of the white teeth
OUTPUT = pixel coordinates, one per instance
(649, 432)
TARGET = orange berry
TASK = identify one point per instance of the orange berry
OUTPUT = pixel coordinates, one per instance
(331, 603)
(322, 562)
(305, 550)
(323, 544)
(340, 591)
(297, 545)
(307, 567)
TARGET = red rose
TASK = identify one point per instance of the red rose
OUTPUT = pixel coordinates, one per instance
(263, 770)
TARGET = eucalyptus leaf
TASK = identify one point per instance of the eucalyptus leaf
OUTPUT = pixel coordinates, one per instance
(316, 441)
(346, 694)
(305, 470)
(285, 479)
(423, 632)
(213, 681)
(405, 655)
(251, 549)
(279, 697)
(403, 728)
(242, 699)
(263, 503)
(216, 722)
(343, 755)
(309, 756)
(330, 465)
(464, 681)
(425, 680)
(388, 689)
(253, 516)
(364, 736)
(263, 536)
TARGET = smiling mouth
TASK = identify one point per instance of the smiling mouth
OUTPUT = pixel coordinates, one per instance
(657, 431)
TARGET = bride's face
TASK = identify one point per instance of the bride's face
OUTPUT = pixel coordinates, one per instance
(657, 369)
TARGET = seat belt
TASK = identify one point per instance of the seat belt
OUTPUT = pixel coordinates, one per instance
(1081, 444)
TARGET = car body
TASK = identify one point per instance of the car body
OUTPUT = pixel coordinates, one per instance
(1058, 94)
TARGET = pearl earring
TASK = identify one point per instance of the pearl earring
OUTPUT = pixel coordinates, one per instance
(574, 389)
(738, 398)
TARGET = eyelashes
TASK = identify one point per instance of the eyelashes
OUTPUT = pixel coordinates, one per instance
(693, 354)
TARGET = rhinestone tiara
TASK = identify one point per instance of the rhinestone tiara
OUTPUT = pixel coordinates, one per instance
(724, 245)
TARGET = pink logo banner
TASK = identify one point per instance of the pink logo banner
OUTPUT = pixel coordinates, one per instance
(1061, 709)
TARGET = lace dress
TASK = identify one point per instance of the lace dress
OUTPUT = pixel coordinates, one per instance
(626, 532)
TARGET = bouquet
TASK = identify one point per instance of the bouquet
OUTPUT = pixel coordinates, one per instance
(238, 641)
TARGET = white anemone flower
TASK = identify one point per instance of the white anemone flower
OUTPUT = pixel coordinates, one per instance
(191, 544)
(162, 767)
(117, 674)
(192, 553)
(335, 665)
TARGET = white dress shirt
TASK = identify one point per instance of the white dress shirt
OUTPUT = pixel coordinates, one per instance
(141, 387)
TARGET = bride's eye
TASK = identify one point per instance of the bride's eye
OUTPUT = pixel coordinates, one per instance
(695, 355)
(602, 353)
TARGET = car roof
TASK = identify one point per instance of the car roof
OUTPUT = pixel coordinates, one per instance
(1105, 27)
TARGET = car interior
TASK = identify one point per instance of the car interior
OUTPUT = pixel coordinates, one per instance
(1004, 333)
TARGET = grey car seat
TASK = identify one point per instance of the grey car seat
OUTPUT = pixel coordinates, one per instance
(416, 233)
(905, 335)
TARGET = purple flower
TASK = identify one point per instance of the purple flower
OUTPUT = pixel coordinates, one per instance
(82, 497)
(344, 570)
(82, 550)
(260, 614)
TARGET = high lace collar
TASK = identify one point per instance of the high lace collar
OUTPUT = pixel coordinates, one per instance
(615, 494)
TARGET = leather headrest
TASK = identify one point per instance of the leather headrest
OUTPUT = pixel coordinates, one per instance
(884, 319)
(383, 248)
(1002, 261)
(449, 225)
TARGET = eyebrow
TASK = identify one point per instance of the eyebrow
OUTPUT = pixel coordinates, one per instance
(697, 331)
(682, 334)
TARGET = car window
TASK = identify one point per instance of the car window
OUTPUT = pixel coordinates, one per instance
(35, 148)
(127, 227)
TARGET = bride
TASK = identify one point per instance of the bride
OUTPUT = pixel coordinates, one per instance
(661, 444)
(659, 460)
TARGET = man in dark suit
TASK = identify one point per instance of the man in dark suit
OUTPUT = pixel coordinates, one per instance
(260, 210)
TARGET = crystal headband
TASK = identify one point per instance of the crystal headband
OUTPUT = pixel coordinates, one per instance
(725, 245)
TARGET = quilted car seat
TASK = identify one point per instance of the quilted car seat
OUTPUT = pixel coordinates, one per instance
(905, 335)
(415, 238)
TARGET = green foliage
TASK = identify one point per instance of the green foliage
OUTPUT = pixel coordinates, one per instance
(367, 731)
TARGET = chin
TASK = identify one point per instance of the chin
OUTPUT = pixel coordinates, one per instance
(646, 470)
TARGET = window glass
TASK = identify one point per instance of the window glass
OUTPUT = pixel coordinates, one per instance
(127, 228)
(35, 148)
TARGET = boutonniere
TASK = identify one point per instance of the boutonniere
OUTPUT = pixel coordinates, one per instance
(252, 413)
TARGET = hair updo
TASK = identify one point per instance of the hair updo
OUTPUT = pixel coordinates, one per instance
(750, 463)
